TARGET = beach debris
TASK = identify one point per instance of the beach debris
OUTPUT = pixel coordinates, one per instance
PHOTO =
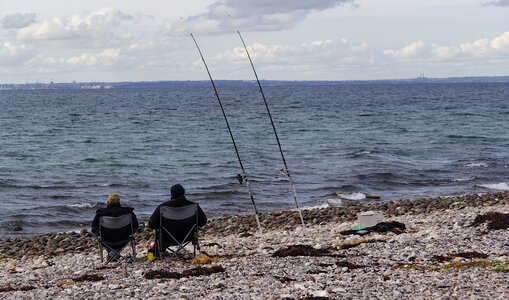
(204, 259)
(301, 250)
(382, 227)
(357, 242)
(369, 218)
(13, 288)
(495, 220)
(198, 271)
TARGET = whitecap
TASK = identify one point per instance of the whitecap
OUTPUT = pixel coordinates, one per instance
(81, 205)
(352, 196)
(315, 207)
(463, 179)
(334, 202)
(502, 186)
(475, 165)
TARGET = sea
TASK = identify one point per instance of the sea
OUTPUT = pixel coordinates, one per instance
(63, 151)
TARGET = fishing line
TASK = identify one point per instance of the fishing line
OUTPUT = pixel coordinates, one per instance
(290, 180)
(244, 176)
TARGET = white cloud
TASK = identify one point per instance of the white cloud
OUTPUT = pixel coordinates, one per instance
(293, 61)
(103, 58)
(96, 25)
(413, 50)
(18, 20)
(13, 54)
(498, 3)
(263, 15)
(480, 49)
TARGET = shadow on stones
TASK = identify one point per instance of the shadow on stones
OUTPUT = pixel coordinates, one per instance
(301, 250)
(198, 271)
(495, 220)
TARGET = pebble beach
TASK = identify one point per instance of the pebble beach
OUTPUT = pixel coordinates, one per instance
(452, 248)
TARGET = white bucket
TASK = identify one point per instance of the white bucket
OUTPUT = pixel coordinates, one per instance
(369, 218)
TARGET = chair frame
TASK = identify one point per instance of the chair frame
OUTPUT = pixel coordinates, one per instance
(175, 242)
(125, 220)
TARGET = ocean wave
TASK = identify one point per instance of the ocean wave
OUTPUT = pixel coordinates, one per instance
(327, 205)
(473, 165)
(463, 179)
(334, 202)
(352, 196)
(502, 186)
(82, 205)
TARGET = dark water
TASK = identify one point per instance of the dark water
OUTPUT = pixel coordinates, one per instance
(62, 152)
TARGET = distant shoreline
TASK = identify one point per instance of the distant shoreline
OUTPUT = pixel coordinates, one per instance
(239, 83)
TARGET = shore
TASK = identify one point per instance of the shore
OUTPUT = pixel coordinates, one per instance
(448, 250)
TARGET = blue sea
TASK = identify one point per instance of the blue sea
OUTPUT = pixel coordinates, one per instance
(63, 151)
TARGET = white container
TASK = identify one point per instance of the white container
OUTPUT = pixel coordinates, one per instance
(369, 218)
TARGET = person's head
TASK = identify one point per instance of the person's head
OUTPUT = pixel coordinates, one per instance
(113, 198)
(177, 191)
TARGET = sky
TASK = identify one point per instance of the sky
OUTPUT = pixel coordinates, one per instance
(126, 40)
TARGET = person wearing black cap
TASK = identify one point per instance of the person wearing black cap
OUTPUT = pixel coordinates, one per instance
(178, 199)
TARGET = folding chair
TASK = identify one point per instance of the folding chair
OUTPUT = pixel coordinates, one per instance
(114, 233)
(179, 227)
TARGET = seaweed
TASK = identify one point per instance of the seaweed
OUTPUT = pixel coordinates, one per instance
(352, 244)
(89, 277)
(454, 265)
(349, 265)
(301, 250)
(13, 288)
(495, 220)
(198, 271)
(284, 279)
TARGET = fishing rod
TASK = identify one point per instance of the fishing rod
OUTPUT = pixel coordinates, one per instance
(243, 176)
(287, 172)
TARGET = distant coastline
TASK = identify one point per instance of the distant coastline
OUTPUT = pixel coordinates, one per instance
(240, 83)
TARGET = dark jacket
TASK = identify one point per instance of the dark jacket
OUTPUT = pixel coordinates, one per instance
(114, 210)
(153, 222)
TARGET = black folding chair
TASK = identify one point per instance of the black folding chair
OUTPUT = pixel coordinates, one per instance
(115, 234)
(179, 227)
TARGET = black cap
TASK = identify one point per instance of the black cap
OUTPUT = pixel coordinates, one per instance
(177, 191)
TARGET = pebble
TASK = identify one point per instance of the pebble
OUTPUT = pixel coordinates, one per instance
(385, 269)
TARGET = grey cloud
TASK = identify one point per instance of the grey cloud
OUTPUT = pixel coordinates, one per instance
(261, 15)
(17, 20)
(498, 3)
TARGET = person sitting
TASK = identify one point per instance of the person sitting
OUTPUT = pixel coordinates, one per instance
(114, 209)
(178, 199)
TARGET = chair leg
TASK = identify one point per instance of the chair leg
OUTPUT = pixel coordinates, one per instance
(101, 252)
(133, 246)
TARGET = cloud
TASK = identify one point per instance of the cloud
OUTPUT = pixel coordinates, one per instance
(412, 50)
(292, 61)
(98, 25)
(481, 49)
(498, 3)
(13, 54)
(103, 58)
(18, 20)
(263, 15)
